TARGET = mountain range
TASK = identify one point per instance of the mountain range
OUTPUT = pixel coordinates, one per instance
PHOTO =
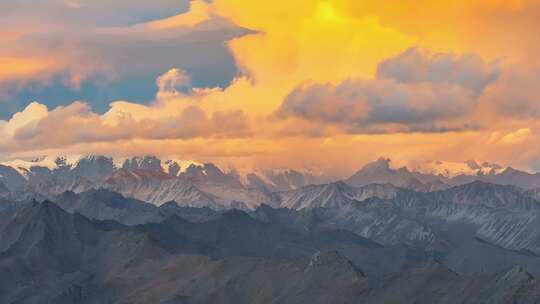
(206, 185)
(150, 231)
(49, 255)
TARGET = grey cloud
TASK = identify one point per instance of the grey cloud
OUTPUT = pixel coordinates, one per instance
(515, 95)
(107, 56)
(415, 66)
(132, 51)
(89, 12)
(372, 106)
(413, 92)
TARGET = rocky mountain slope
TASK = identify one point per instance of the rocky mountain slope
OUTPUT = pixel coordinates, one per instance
(333, 195)
(505, 216)
(51, 256)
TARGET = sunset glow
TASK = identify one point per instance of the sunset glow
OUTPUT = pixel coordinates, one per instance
(326, 84)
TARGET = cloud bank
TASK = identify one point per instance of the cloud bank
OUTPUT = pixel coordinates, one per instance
(413, 92)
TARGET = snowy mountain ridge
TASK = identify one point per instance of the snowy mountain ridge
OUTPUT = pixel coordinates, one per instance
(195, 184)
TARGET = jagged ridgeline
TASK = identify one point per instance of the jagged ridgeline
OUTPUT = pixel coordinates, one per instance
(143, 230)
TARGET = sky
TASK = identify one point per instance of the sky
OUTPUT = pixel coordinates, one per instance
(273, 84)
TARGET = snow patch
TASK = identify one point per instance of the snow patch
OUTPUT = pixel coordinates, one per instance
(452, 169)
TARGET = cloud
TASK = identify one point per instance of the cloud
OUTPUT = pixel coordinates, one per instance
(381, 106)
(517, 136)
(171, 116)
(89, 12)
(199, 12)
(515, 95)
(29, 118)
(80, 125)
(171, 83)
(68, 52)
(416, 66)
(414, 92)
(492, 29)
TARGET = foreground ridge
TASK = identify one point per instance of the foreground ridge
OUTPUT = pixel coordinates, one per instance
(197, 256)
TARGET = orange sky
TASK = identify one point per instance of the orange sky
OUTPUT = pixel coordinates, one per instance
(331, 84)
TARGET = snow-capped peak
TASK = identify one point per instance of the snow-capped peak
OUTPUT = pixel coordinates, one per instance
(176, 167)
(452, 169)
(24, 165)
(148, 162)
(277, 179)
